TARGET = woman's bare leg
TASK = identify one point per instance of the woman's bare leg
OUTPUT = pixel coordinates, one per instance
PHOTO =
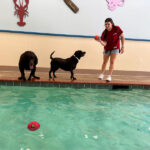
(105, 61)
(112, 61)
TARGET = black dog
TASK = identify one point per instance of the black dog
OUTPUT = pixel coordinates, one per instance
(68, 64)
(28, 61)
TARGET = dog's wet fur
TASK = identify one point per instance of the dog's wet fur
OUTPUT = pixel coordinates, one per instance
(28, 61)
(68, 64)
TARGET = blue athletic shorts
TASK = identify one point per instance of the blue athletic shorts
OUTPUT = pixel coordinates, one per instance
(114, 51)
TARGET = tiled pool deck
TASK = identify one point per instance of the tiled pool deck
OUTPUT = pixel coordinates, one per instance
(88, 79)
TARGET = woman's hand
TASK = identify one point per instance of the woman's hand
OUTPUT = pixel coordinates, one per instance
(122, 50)
(122, 43)
(103, 43)
(98, 39)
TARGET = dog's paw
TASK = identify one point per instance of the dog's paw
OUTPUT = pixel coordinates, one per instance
(74, 78)
(36, 77)
(22, 78)
(29, 79)
(19, 78)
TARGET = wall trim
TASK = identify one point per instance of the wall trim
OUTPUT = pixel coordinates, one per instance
(66, 35)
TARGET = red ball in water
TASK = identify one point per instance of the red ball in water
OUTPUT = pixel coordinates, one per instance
(32, 126)
(96, 37)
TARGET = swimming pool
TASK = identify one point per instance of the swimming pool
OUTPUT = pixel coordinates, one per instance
(74, 119)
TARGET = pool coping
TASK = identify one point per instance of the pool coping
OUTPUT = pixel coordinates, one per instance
(76, 83)
(10, 74)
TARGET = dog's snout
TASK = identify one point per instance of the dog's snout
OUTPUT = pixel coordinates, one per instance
(83, 53)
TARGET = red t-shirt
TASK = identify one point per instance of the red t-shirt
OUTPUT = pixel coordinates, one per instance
(113, 38)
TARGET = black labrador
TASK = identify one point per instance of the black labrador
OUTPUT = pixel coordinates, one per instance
(28, 61)
(68, 64)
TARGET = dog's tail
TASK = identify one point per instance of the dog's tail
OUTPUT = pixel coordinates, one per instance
(52, 54)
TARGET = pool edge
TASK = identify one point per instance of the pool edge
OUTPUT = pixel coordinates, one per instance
(75, 83)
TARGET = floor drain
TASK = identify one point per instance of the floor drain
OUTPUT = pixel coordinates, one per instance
(120, 87)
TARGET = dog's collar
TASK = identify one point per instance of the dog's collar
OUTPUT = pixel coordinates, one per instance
(76, 57)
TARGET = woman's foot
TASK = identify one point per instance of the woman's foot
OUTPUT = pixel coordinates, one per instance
(108, 78)
(101, 76)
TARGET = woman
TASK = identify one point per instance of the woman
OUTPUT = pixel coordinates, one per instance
(110, 39)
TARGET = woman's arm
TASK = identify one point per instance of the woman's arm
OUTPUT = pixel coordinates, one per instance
(122, 43)
(103, 43)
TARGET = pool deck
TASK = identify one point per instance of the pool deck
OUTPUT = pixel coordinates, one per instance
(83, 77)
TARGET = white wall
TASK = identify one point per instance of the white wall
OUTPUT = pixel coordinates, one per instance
(53, 16)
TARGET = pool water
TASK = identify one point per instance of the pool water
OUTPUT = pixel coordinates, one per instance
(74, 119)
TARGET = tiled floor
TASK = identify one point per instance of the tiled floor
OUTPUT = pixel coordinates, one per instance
(64, 77)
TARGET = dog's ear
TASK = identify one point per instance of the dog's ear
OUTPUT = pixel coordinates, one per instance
(77, 52)
(35, 60)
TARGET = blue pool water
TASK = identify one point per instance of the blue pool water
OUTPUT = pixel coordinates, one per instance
(74, 119)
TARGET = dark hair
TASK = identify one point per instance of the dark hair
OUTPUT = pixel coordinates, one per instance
(105, 31)
(110, 20)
